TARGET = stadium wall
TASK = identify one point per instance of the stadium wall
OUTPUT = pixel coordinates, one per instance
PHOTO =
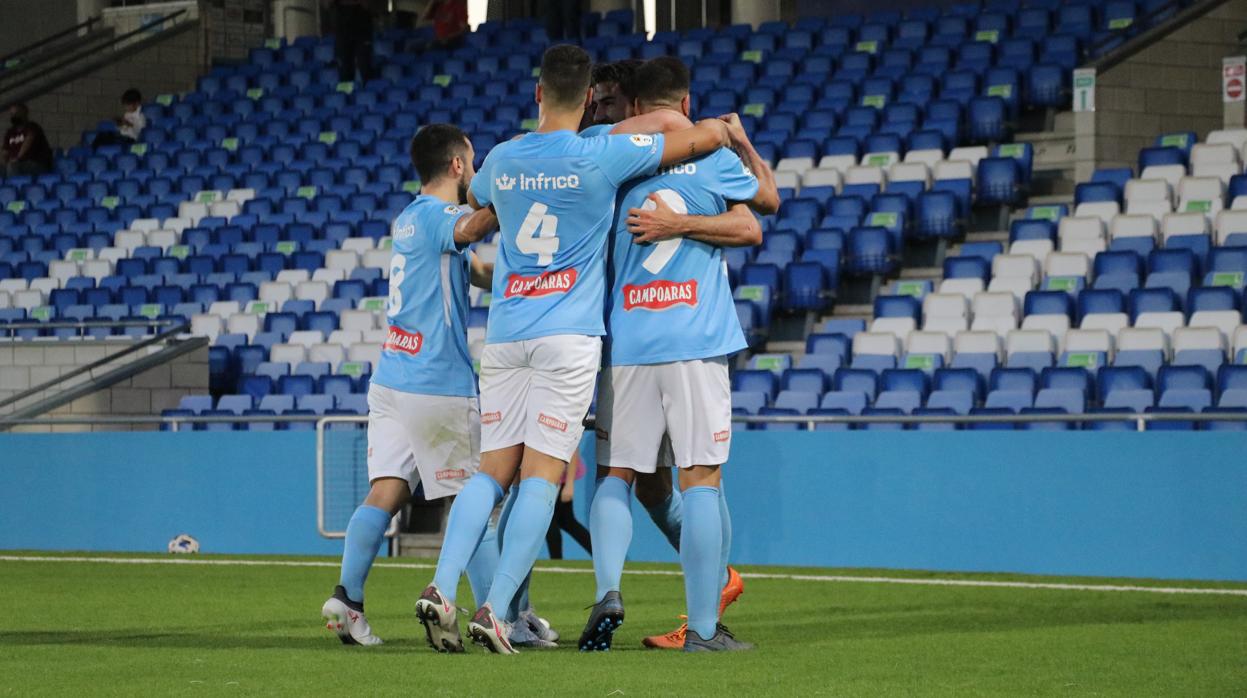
(1163, 505)
(160, 387)
(1170, 84)
(23, 22)
(168, 63)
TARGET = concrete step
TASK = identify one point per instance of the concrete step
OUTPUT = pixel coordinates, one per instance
(988, 236)
(785, 347)
(849, 311)
(419, 544)
(921, 273)
(1052, 200)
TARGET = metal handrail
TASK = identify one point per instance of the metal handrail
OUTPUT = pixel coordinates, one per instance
(179, 326)
(1147, 21)
(114, 42)
(81, 324)
(49, 39)
(809, 420)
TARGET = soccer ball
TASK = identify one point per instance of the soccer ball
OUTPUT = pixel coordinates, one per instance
(183, 543)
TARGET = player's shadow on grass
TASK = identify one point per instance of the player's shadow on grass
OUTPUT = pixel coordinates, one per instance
(146, 639)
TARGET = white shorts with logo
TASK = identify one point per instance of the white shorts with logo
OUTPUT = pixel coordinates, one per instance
(432, 439)
(537, 392)
(683, 408)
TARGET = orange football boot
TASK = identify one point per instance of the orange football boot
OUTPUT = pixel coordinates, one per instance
(674, 640)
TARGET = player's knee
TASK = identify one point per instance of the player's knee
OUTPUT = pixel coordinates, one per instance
(628, 476)
(700, 476)
(388, 494)
(652, 489)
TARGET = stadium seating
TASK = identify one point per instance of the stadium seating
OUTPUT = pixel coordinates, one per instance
(257, 209)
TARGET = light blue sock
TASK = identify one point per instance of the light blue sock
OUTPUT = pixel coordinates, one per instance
(668, 516)
(512, 612)
(522, 541)
(469, 517)
(519, 602)
(726, 518)
(610, 529)
(483, 565)
(363, 539)
(701, 545)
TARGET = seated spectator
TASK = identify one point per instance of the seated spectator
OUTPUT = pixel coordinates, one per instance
(26, 148)
(129, 125)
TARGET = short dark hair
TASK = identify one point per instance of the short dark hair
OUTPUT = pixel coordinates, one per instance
(131, 96)
(619, 72)
(565, 74)
(434, 146)
(21, 108)
(662, 79)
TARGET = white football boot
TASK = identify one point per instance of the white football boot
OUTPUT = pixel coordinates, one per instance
(347, 622)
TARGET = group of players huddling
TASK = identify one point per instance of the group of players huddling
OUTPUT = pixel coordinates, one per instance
(609, 272)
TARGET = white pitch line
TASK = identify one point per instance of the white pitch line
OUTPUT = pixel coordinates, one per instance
(1054, 586)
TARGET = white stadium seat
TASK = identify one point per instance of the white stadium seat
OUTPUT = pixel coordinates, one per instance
(978, 343)
(929, 343)
(881, 343)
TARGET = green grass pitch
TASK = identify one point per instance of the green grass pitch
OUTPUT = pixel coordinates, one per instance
(104, 628)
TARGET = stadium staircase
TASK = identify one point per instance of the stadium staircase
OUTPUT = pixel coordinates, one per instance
(56, 60)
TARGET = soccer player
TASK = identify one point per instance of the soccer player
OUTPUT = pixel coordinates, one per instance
(423, 418)
(610, 103)
(735, 227)
(555, 197)
(672, 325)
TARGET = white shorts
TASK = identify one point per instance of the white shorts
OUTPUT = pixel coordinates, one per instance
(537, 392)
(423, 438)
(687, 402)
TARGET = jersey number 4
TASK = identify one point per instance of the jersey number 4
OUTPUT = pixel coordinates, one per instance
(538, 234)
(665, 250)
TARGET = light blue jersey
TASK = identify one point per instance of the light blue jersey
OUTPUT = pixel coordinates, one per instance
(671, 301)
(554, 194)
(426, 350)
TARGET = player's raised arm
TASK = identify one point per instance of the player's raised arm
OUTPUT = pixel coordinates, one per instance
(766, 201)
(659, 121)
(705, 136)
(475, 226)
(737, 227)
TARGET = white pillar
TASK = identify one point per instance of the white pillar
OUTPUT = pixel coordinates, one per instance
(754, 12)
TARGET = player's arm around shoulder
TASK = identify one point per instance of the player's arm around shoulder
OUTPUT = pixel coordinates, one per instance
(474, 226)
(736, 227)
(703, 137)
(766, 201)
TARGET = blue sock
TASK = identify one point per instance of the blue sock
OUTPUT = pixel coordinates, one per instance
(483, 565)
(726, 556)
(363, 538)
(668, 516)
(610, 529)
(469, 517)
(511, 613)
(701, 545)
(525, 534)
(519, 602)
